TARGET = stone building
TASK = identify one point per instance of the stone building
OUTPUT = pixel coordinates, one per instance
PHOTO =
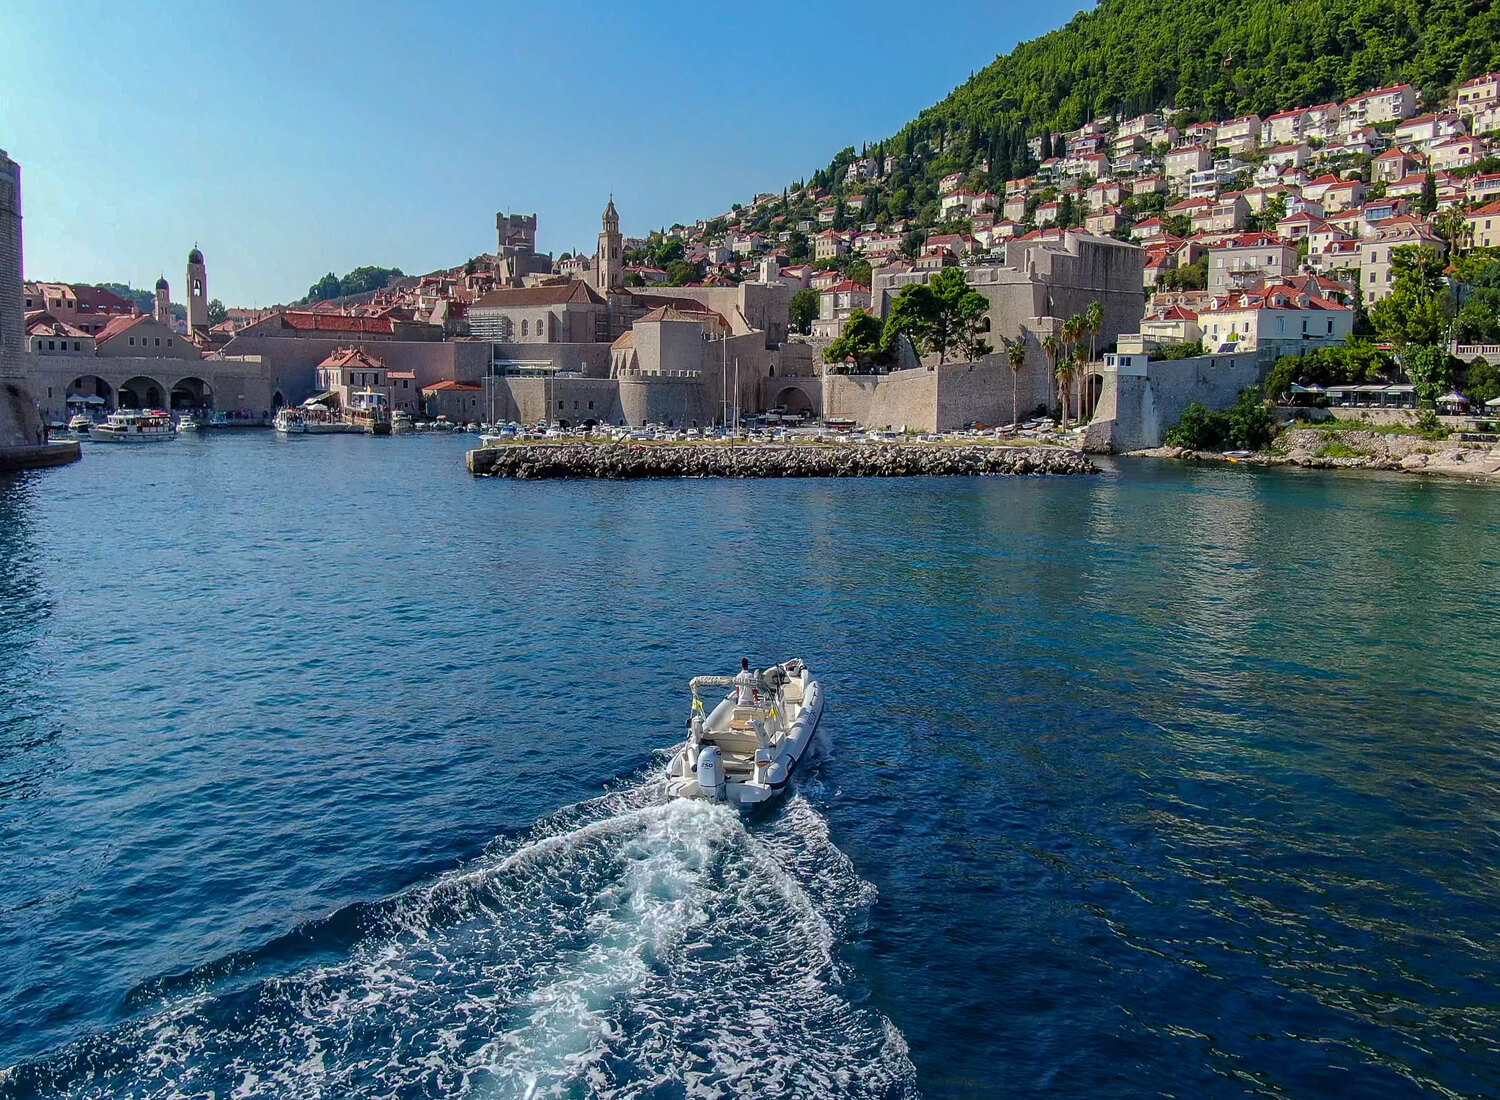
(22, 430)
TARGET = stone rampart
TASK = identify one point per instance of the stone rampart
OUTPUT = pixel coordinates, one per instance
(1142, 398)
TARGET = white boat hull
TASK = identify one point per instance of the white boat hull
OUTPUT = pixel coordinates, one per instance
(104, 435)
(730, 760)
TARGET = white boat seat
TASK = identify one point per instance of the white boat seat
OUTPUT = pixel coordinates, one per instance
(792, 691)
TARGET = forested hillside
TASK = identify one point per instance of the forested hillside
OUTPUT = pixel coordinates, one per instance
(1209, 59)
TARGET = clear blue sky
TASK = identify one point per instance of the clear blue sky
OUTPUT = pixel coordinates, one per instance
(288, 140)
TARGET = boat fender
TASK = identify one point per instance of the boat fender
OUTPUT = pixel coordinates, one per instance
(711, 772)
(775, 773)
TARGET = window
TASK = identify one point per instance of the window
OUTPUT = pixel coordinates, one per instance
(1372, 276)
(169, 341)
(51, 345)
(78, 346)
(559, 406)
(132, 341)
(525, 328)
(158, 341)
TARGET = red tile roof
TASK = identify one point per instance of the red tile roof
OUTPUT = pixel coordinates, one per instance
(574, 290)
(449, 384)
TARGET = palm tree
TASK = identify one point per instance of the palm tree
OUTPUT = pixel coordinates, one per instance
(1015, 354)
(1052, 348)
(1094, 318)
(1064, 378)
(1080, 373)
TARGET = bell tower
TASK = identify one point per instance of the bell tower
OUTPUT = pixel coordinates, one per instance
(197, 291)
(163, 302)
(609, 264)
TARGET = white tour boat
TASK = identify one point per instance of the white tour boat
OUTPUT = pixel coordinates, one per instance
(134, 426)
(745, 753)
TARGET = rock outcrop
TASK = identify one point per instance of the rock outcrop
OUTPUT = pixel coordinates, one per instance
(624, 460)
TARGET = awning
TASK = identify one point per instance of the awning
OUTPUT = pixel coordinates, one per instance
(320, 399)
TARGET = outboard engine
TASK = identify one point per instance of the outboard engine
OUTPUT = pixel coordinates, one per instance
(711, 773)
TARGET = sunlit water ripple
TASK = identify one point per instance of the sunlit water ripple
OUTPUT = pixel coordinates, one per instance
(1171, 781)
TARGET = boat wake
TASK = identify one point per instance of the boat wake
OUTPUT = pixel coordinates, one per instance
(627, 946)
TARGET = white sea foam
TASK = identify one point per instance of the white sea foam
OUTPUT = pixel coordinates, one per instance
(625, 944)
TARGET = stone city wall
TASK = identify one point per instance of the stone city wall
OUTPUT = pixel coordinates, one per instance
(1142, 398)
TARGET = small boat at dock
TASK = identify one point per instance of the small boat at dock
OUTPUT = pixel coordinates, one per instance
(134, 426)
(744, 750)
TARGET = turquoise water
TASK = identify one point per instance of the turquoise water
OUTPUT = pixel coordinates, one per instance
(327, 770)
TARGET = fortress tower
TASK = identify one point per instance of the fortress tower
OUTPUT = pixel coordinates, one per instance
(609, 263)
(163, 302)
(197, 291)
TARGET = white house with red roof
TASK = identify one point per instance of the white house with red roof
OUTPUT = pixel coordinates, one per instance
(1182, 162)
(1149, 230)
(1423, 131)
(1344, 195)
(1284, 128)
(1458, 152)
(830, 244)
(835, 305)
(1389, 104)
(1479, 94)
(1277, 315)
(1240, 135)
(1249, 258)
(1175, 324)
(1484, 225)
(1392, 165)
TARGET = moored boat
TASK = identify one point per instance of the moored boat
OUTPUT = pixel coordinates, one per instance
(80, 424)
(134, 426)
(745, 748)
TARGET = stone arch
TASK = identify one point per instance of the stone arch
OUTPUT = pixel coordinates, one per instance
(794, 399)
(277, 401)
(142, 392)
(192, 392)
(91, 385)
(1093, 386)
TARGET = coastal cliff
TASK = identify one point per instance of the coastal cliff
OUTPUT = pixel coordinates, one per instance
(620, 460)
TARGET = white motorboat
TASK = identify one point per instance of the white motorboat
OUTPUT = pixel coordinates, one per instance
(401, 422)
(80, 424)
(746, 754)
(134, 426)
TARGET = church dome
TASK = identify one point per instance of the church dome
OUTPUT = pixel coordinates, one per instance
(195, 257)
(161, 284)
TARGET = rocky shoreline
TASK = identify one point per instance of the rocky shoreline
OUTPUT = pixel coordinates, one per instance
(1359, 449)
(624, 460)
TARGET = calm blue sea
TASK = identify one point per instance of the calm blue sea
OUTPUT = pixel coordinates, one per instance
(326, 770)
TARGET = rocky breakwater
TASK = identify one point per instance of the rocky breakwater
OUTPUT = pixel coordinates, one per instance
(622, 460)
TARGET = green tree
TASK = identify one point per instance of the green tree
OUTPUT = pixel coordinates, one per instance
(805, 304)
(325, 288)
(1015, 355)
(217, 314)
(1427, 201)
(1481, 382)
(940, 316)
(683, 272)
(1416, 310)
(862, 342)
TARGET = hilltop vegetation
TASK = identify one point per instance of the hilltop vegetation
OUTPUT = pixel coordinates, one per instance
(1207, 59)
(362, 280)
